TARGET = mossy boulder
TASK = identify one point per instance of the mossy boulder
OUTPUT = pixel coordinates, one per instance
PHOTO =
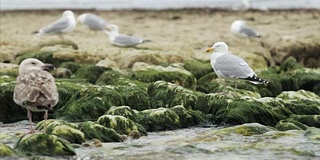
(44, 144)
(211, 84)
(6, 150)
(93, 130)
(109, 77)
(309, 120)
(238, 110)
(134, 96)
(124, 111)
(72, 66)
(174, 74)
(90, 72)
(287, 124)
(198, 68)
(62, 129)
(313, 133)
(120, 124)
(248, 129)
(165, 94)
(9, 110)
(89, 103)
(188, 117)
(158, 119)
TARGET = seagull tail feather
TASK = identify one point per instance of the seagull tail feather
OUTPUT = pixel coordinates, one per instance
(256, 80)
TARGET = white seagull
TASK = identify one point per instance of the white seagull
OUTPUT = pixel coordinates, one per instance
(229, 66)
(121, 39)
(239, 29)
(66, 23)
(35, 88)
(93, 21)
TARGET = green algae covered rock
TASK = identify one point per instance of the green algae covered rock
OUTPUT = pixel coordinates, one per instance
(300, 95)
(309, 120)
(72, 66)
(120, 124)
(174, 74)
(109, 77)
(287, 124)
(164, 94)
(188, 117)
(158, 119)
(89, 103)
(238, 111)
(313, 133)
(93, 130)
(124, 111)
(44, 144)
(90, 72)
(134, 96)
(9, 110)
(198, 68)
(248, 129)
(6, 150)
(62, 129)
(211, 84)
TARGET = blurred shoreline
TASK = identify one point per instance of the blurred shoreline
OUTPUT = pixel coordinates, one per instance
(10, 5)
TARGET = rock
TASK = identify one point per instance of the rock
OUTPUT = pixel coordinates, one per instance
(198, 68)
(9, 110)
(127, 58)
(62, 129)
(285, 125)
(300, 95)
(93, 130)
(89, 103)
(238, 110)
(211, 84)
(313, 133)
(158, 119)
(248, 129)
(164, 94)
(6, 150)
(189, 117)
(134, 134)
(309, 120)
(72, 66)
(109, 77)
(124, 111)
(290, 64)
(8, 69)
(62, 73)
(44, 144)
(174, 73)
(91, 73)
(306, 51)
(44, 56)
(120, 124)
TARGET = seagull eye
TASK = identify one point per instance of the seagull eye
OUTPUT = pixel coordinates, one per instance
(33, 63)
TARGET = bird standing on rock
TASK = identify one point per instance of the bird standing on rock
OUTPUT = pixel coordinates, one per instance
(35, 88)
(66, 23)
(94, 22)
(229, 66)
(122, 40)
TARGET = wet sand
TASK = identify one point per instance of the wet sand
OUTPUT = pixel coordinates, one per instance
(181, 32)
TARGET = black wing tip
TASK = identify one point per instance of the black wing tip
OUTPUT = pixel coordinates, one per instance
(35, 32)
(146, 40)
(256, 79)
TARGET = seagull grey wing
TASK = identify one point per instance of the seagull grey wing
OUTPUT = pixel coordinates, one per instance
(36, 88)
(57, 26)
(94, 22)
(248, 32)
(232, 66)
(127, 40)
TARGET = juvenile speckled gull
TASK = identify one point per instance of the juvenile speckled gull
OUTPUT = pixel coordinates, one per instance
(122, 40)
(229, 66)
(35, 88)
(93, 21)
(239, 29)
(66, 23)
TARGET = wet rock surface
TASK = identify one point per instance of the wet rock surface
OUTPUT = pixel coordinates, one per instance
(162, 100)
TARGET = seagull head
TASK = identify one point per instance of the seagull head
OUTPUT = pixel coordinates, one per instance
(219, 47)
(32, 63)
(81, 18)
(68, 13)
(238, 23)
(113, 28)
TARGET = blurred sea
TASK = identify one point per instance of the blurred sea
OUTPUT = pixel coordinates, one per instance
(157, 4)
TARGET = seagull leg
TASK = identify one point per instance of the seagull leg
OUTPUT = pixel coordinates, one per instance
(236, 86)
(224, 87)
(61, 37)
(45, 121)
(30, 120)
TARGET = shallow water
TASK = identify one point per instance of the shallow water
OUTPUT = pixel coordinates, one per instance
(195, 143)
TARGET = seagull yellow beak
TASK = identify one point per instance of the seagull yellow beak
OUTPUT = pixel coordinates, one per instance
(210, 49)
